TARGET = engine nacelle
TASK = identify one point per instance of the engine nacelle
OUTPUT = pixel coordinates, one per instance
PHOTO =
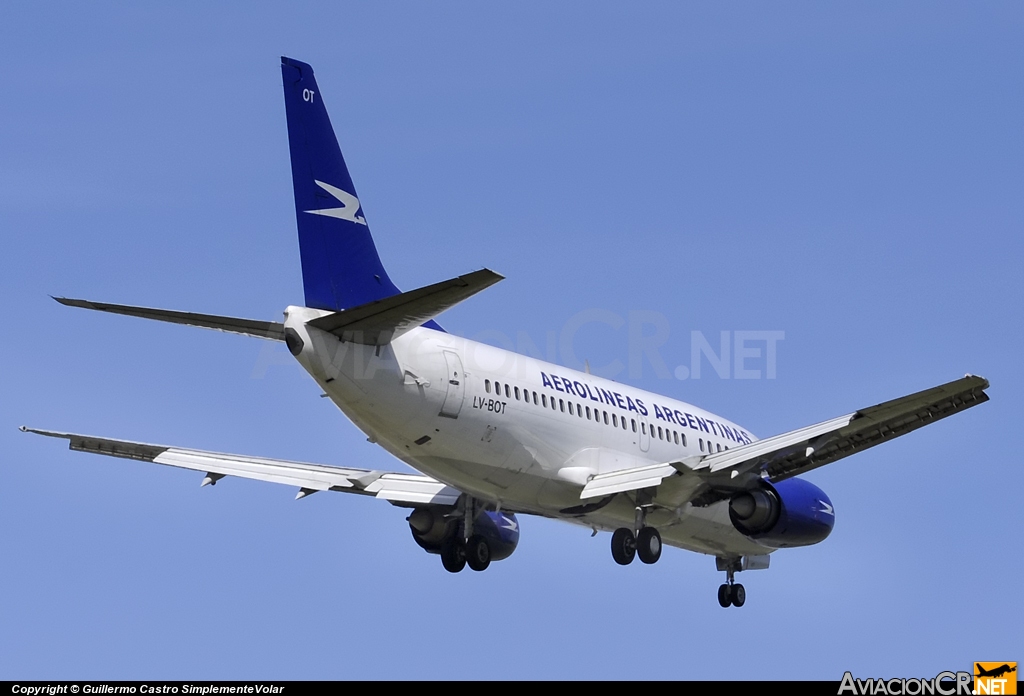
(432, 526)
(501, 529)
(789, 513)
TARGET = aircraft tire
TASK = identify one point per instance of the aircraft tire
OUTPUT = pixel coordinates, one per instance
(724, 596)
(453, 556)
(478, 553)
(738, 595)
(623, 546)
(648, 545)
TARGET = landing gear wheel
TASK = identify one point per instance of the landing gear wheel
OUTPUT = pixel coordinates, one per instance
(648, 545)
(739, 595)
(725, 595)
(623, 546)
(478, 553)
(453, 556)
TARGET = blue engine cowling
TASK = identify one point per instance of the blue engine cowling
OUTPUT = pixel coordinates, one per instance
(789, 513)
(501, 529)
(431, 527)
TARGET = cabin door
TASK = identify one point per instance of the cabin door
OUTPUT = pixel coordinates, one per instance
(455, 384)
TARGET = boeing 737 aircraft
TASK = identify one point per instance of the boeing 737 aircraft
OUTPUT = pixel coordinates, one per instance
(496, 434)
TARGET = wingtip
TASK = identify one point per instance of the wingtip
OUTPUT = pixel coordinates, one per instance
(983, 379)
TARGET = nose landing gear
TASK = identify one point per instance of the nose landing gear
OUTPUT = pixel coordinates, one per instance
(731, 593)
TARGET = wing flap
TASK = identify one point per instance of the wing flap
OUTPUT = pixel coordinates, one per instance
(393, 487)
(381, 321)
(772, 445)
(627, 480)
(407, 488)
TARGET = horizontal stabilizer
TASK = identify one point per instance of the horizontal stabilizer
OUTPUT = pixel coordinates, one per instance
(249, 327)
(378, 323)
(401, 489)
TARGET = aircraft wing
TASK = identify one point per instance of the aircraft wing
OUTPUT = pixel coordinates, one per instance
(400, 489)
(799, 451)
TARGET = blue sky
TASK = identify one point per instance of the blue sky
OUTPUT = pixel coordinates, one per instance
(850, 175)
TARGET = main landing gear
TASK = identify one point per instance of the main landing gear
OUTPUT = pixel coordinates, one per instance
(457, 554)
(460, 550)
(645, 542)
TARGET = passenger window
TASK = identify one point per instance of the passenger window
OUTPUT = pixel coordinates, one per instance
(544, 400)
(605, 417)
(719, 446)
(497, 388)
(701, 444)
(508, 394)
(535, 400)
(633, 421)
(643, 427)
(561, 404)
(570, 409)
(517, 393)
(675, 436)
(579, 410)
(684, 439)
(487, 385)
(588, 413)
(659, 433)
(615, 420)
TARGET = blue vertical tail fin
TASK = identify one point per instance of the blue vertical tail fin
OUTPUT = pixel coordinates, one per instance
(340, 265)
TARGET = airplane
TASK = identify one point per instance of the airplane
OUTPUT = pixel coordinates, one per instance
(996, 671)
(495, 434)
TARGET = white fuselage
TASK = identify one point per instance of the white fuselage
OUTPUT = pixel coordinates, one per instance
(519, 432)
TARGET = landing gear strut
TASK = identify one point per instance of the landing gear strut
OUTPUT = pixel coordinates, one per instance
(640, 541)
(731, 593)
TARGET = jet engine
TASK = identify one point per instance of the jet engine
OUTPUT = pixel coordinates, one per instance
(432, 526)
(789, 513)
